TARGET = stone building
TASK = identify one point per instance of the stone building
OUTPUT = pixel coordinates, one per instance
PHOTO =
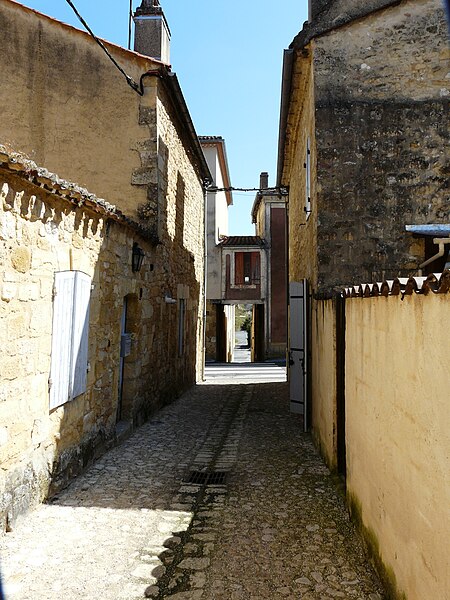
(363, 151)
(244, 270)
(363, 138)
(80, 373)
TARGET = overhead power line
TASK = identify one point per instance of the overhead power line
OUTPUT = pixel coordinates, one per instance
(279, 191)
(129, 79)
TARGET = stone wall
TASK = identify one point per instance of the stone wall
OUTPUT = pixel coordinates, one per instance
(182, 214)
(42, 233)
(382, 95)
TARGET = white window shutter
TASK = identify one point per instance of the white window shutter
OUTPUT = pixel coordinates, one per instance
(80, 333)
(68, 370)
(59, 382)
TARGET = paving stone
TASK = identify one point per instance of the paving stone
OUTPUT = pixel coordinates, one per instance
(265, 535)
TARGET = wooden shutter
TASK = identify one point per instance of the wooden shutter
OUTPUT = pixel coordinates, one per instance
(255, 268)
(80, 332)
(239, 268)
(59, 382)
(69, 337)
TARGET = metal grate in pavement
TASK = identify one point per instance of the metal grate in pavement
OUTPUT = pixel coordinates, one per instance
(207, 478)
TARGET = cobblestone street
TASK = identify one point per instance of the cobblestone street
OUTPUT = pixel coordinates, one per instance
(133, 527)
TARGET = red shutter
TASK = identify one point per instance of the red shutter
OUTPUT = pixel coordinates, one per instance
(239, 268)
(256, 270)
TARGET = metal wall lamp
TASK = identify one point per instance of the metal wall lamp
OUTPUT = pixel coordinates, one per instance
(137, 257)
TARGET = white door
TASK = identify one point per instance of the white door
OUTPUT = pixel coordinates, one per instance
(298, 347)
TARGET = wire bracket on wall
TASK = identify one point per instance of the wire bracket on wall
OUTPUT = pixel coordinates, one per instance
(135, 86)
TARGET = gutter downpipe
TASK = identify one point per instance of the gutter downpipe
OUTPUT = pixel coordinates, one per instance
(441, 242)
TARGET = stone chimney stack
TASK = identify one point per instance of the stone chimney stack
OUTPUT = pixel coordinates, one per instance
(264, 181)
(152, 33)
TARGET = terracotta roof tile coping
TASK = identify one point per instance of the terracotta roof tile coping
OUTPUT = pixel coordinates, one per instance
(19, 164)
(242, 241)
(438, 283)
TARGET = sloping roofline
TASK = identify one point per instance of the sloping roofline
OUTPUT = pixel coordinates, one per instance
(161, 70)
(219, 142)
(336, 14)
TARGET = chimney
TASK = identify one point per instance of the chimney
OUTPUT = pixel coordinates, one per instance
(264, 181)
(152, 33)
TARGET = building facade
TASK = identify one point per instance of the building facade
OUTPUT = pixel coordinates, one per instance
(80, 374)
(220, 318)
(269, 216)
(363, 152)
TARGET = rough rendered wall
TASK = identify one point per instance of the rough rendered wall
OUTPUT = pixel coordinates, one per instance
(66, 106)
(41, 234)
(382, 100)
(323, 379)
(398, 442)
(302, 231)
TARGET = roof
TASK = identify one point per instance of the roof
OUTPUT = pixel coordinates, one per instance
(149, 67)
(18, 164)
(242, 241)
(84, 33)
(437, 283)
(267, 193)
(334, 14)
(337, 13)
(219, 142)
(435, 230)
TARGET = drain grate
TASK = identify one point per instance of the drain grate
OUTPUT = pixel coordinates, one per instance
(207, 478)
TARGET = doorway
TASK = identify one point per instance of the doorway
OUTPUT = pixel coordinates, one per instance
(242, 333)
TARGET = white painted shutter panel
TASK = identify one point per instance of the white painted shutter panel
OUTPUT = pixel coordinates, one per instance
(61, 338)
(298, 348)
(80, 334)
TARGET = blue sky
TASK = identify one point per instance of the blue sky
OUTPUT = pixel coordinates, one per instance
(228, 58)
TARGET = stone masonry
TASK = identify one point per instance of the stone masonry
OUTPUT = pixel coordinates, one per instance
(382, 96)
(48, 227)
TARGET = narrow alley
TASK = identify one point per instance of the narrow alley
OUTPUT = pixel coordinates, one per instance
(270, 523)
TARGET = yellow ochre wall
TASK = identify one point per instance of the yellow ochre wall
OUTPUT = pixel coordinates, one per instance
(398, 436)
(67, 107)
(323, 379)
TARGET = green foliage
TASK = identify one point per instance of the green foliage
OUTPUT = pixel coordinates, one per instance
(246, 325)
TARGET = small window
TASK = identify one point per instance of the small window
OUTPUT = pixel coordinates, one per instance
(308, 178)
(247, 268)
(68, 370)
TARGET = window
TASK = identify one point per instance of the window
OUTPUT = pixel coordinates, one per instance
(247, 268)
(308, 178)
(68, 370)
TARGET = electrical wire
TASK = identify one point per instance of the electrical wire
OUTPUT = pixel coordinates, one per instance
(129, 79)
(282, 191)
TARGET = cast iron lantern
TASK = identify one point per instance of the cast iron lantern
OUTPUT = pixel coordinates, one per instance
(136, 258)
